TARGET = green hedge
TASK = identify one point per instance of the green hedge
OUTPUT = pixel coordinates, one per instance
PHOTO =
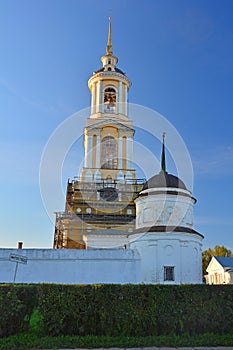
(136, 310)
(16, 307)
(118, 310)
(98, 310)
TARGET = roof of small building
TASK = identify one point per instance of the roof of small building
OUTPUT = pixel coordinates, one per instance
(163, 179)
(225, 261)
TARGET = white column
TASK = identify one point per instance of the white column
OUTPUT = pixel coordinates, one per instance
(129, 152)
(93, 98)
(86, 151)
(97, 151)
(117, 104)
(126, 99)
(89, 151)
(99, 96)
(120, 97)
(120, 145)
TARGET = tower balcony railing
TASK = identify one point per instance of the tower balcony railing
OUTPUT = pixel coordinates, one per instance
(133, 185)
(109, 109)
(105, 182)
(91, 218)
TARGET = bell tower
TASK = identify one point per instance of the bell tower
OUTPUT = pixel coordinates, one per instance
(109, 85)
(101, 199)
(108, 135)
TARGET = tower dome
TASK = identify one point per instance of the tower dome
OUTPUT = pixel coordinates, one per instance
(163, 179)
(165, 235)
(165, 200)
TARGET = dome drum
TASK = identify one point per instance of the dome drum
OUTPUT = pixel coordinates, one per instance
(162, 208)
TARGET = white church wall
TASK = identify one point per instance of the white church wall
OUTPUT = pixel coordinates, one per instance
(106, 239)
(71, 266)
(165, 209)
(181, 251)
(191, 266)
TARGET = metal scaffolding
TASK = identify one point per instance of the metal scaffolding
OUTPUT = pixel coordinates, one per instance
(94, 206)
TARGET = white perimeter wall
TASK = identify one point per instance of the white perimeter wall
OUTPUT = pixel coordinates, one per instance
(71, 266)
(143, 263)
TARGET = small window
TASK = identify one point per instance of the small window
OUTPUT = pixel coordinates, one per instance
(79, 210)
(169, 273)
(109, 68)
(88, 210)
(109, 62)
(129, 211)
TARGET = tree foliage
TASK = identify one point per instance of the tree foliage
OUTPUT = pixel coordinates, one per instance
(216, 251)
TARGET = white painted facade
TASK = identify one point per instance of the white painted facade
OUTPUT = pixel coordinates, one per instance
(178, 250)
(220, 271)
(106, 239)
(160, 208)
(165, 239)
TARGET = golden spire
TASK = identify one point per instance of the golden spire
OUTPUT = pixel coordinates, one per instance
(109, 44)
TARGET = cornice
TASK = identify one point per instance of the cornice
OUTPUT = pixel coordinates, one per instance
(110, 122)
(109, 75)
(168, 229)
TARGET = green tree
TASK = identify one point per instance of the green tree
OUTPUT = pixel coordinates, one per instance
(217, 251)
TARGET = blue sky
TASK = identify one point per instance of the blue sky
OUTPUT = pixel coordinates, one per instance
(178, 55)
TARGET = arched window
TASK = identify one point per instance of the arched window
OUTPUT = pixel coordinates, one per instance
(109, 180)
(110, 100)
(109, 153)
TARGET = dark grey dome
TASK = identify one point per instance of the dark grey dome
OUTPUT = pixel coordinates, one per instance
(163, 179)
(116, 70)
(119, 71)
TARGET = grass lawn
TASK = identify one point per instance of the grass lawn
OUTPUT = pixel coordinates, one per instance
(35, 341)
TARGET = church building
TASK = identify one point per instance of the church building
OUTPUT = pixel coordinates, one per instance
(115, 228)
(102, 197)
(108, 207)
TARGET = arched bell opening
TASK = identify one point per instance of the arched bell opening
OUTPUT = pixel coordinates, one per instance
(109, 100)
